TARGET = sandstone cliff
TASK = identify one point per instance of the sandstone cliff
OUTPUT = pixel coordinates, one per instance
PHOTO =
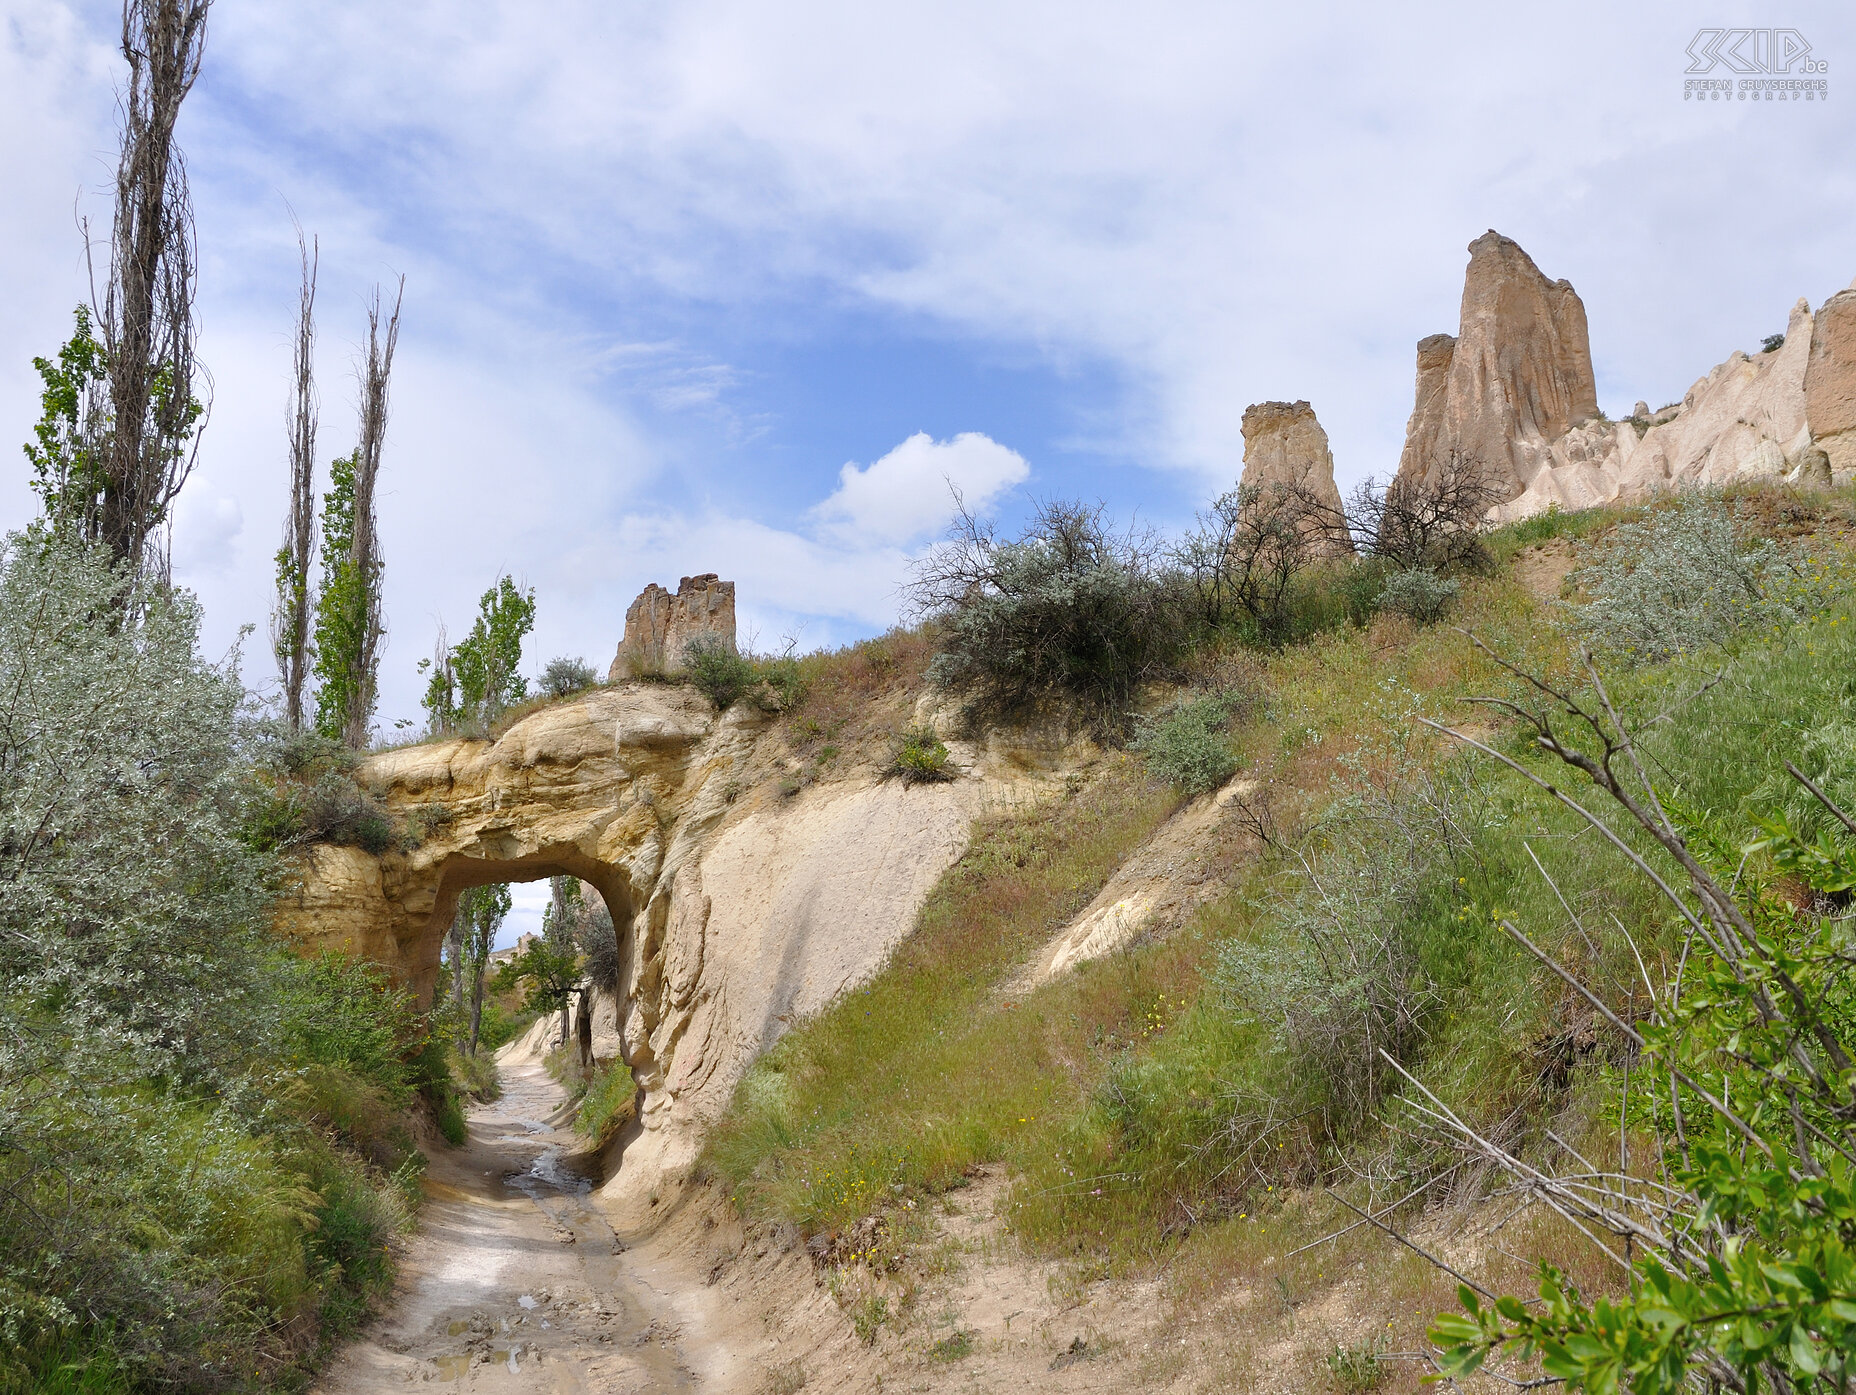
(1830, 383)
(1514, 390)
(1745, 419)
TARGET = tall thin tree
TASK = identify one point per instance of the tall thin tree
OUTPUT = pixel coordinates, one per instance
(145, 314)
(348, 626)
(290, 621)
(366, 546)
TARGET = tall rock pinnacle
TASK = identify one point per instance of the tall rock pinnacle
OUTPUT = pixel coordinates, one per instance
(1517, 375)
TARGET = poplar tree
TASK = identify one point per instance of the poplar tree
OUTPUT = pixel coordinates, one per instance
(349, 626)
(145, 318)
(290, 621)
(479, 678)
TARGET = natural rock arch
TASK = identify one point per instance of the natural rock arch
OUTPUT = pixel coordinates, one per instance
(738, 909)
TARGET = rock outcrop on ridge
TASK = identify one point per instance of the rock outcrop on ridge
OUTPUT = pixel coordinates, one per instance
(1285, 444)
(1515, 378)
(1745, 419)
(658, 625)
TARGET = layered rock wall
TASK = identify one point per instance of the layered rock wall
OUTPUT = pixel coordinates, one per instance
(1830, 383)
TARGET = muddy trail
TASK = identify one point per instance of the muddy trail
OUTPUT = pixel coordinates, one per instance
(514, 1280)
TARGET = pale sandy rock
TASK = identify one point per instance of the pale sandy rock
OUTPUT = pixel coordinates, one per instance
(1425, 429)
(1830, 383)
(1744, 420)
(735, 916)
(1519, 373)
(658, 625)
(1284, 444)
(1181, 867)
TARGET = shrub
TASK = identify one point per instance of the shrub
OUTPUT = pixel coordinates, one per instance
(1187, 744)
(785, 682)
(921, 758)
(1432, 519)
(564, 676)
(345, 1012)
(1068, 611)
(1248, 552)
(336, 810)
(717, 669)
(156, 1228)
(1683, 577)
(476, 1074)
(1359, 955)
(1420, 595)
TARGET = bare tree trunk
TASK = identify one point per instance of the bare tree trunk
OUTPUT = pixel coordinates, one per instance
(366, 551)
(586, 1030)
(146, 314)
(291, 623)
(458, 937)
(477, 962)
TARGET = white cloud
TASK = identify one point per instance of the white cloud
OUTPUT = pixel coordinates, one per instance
(905, 496)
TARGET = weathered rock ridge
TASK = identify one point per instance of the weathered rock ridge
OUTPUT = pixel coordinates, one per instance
(1513, 391)
(658, 625)
(737, 909)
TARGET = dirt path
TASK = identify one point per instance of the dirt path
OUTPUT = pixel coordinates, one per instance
(515, 1282)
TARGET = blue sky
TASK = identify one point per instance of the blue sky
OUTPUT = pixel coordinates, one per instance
(672, 270)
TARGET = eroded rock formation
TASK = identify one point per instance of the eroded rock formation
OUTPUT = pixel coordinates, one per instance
(1514, 391)
(737, 909)
(1830, 383)
(1745, 419)
(658, 625)
(1515, 378)
(1285, 444)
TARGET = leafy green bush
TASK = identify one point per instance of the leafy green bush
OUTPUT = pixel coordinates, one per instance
(785, 680)
(717, 669)
(1068, 611)
(1684, 577)
(157, 1229)
(921, 758)
(564, 676)
(1420, 595)
(1188, 743)
(345, 1012)
(178, 1098)
(1740, 1239)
